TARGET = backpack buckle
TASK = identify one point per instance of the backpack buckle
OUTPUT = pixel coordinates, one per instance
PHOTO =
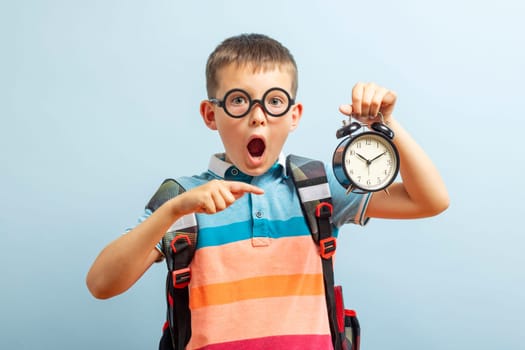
(179, 245)
(182, 241)
(328, 246)
(181, 277)
(324, 210)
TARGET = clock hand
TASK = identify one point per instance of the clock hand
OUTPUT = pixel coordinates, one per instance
(363, 158)
(379, 156)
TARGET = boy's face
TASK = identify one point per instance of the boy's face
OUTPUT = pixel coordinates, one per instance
(252, 142)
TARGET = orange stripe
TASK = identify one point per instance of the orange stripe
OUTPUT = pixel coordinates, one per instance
(257, 287)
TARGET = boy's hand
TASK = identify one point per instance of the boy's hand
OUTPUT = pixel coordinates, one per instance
(368, 99)
(212, 197)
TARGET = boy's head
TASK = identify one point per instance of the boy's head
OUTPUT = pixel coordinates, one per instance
(257, 51)
(251, 83)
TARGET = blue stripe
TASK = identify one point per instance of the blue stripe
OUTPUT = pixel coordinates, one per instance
(239, 231)
(219, 235)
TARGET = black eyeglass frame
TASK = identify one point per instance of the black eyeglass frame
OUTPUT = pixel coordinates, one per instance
(252, 102)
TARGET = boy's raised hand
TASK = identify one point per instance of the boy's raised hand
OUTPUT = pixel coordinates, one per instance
(212, 197)
(368, 99)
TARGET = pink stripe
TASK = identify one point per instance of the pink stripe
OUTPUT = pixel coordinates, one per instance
(283, 256)
(289, 342)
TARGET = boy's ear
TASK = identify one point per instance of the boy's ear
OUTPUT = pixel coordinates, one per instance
(297, 113)
(208, 114)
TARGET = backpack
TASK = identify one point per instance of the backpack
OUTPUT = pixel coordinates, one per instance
(179, 244)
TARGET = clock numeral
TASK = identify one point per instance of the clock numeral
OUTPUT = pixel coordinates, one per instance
(369, 182)
(358, 144)
(378, 180)
(368, 142)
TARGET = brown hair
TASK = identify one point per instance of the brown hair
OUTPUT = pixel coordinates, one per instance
(258, 50)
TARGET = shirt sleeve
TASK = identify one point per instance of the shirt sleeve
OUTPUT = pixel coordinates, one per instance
(348, 208)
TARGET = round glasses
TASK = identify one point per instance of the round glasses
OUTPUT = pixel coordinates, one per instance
(237, 103)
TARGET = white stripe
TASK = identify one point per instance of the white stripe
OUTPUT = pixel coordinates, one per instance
(316, 192)
(188, 220)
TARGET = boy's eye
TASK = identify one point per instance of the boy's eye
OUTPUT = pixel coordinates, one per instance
(238, 100)
(275, 101)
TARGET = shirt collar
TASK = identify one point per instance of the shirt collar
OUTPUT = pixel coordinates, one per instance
(226, 170)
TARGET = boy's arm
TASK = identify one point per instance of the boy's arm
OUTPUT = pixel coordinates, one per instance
(422, 192)
(122, 262)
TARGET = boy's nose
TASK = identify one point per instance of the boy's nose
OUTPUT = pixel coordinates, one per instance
(257, 115)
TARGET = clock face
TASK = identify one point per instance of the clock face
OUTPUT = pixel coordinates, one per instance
(370, 161)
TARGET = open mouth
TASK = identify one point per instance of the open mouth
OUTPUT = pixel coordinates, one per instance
(256, 147)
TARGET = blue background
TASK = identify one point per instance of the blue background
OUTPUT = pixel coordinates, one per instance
(99, 103)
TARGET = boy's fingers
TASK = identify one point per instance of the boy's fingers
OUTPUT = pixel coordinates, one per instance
(346, 109)
(208, 207)
(377, 101)
(219, 201)
(239, 188)
(366, 99)
(389, 99)
(227, 196)
(357, 97)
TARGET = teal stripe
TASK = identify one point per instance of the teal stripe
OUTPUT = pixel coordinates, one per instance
(239, 231)
(219, 235)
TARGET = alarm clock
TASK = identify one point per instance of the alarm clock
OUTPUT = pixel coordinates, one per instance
(366, 160)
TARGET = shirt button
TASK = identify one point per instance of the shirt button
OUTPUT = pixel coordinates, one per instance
(235, 172)
(259, 214)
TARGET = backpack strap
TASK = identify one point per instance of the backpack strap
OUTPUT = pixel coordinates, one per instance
(178, 247)
(310, 180)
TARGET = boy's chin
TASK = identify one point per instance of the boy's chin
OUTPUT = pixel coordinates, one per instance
(254, 171)
(255, 168)
(252, 165)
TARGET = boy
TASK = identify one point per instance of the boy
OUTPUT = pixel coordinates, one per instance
(256, 274)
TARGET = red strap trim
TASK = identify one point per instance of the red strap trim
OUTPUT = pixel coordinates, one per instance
(350, 313)
(181, 278)
(328, 246)
(165, 326)
(179, 237)
(320, 206)
(339, 308)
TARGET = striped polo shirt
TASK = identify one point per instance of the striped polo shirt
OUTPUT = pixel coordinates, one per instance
(257, 280)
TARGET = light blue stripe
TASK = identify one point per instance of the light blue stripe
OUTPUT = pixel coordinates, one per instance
(220, 235)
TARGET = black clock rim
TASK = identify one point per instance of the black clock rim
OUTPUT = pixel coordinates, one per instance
(351, 139)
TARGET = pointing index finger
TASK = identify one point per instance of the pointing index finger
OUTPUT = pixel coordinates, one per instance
(239, 188)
